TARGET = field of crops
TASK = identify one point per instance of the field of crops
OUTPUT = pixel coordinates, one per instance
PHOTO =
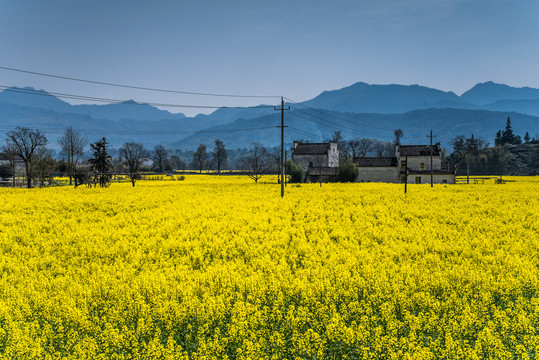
(222, 268)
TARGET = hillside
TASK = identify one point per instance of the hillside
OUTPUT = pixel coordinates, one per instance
(446, 123)
(361, 109)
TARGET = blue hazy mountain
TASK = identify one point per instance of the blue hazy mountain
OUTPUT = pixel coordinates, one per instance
(490, 92)
(385, 99)
(126, 110)
(320, 125)
(363, 110)
(32, 98)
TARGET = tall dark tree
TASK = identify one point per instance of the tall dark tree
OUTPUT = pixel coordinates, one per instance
(498, 138)
(133, 156)
(72, 144)
(160, 155)
(25, 143)
(527, 137)
(220, 155)
(101, 163)
(177, 163)
(398, 135)
(337, 136)
(507, 136)
(200, 157)
(257, 162)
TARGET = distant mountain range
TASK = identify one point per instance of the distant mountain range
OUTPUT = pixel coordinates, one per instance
(361, 109)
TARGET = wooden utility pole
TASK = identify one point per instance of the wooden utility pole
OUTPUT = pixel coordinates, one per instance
(282, 109)
(431, 154)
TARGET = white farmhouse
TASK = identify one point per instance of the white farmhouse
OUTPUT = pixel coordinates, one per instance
(393, 169)
(320, 160)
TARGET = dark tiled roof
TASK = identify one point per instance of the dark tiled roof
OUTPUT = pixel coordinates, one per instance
(376, 161)
(324, 170)
(419, 150)
(311, 149)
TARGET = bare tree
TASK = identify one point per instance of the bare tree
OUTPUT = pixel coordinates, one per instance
(353, 146)
(389, 149)
(44, 166)
(464, 147)
(133, 156)
(72, 144)
(25, 142)
(257, 162)
(160, 155)
(200, 157)
(219, 155)
(365, 146)
(337, 136)
(379, 147)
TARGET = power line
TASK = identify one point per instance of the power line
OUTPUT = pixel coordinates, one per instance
(334, 125)
(117, 101)
(304, 132)
(136, 87)
(338, 117)
(113, 132)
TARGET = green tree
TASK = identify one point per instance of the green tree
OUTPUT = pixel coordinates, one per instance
(348, 171)
(295, 172)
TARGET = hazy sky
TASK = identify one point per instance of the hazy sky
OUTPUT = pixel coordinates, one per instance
(292, 48)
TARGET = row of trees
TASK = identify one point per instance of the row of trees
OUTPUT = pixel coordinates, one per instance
(29, 146)
(474, 156)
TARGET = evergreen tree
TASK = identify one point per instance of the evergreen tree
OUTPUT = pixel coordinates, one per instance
(498, 138)
(101, 163)
(527, 138)
(508, 137)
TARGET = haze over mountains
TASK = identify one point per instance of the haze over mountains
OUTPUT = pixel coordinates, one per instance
(361, 109)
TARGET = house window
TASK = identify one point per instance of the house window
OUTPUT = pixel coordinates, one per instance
(422, 166)
(403, 164)
(310, 164)
(444, 181)
(418, 179)
(403, 178)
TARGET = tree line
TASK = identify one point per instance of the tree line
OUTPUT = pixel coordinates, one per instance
(470, 155)
(29, 147)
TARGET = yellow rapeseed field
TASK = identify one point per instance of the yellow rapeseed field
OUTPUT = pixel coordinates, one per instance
(222, 268)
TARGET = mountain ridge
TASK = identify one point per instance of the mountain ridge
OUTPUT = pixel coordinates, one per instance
(369, 105)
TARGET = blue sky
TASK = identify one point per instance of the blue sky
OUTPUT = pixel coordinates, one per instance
(292, 48)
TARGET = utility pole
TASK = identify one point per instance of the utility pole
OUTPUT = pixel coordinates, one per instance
(431, 151)
(282, 109)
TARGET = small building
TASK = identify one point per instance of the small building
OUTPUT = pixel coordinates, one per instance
(320, 160)
(377, 169)
(321, 174)
(417, 158)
